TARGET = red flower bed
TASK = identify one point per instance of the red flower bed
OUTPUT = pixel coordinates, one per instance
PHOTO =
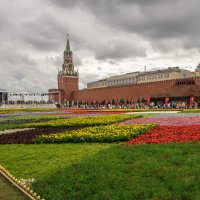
(167, 134)
(82, 112)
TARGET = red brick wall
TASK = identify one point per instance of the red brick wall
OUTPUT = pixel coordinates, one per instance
(67, 84)
(154, 89)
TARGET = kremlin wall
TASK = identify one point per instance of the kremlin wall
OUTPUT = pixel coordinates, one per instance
(172, 83)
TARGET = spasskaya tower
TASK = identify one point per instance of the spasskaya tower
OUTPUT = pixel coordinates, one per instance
(67, 78)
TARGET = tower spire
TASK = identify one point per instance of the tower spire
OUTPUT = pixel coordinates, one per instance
(68, 45)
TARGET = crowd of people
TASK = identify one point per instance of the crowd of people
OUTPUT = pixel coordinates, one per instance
(152, 105)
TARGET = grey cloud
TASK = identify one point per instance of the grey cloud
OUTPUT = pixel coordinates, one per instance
(118, 50)
(153, 19)
(9, 55)
(21, 72)
(115, 32)
(89, 77)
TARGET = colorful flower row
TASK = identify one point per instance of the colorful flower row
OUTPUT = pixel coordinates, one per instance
(167, 120)
(84, 121)
(20, 184)
(123, 110)
(167, 134)
(107, 134)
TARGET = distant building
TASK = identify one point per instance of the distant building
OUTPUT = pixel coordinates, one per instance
(173, 83)
(3, 96)
(142, 77)
(197, 70)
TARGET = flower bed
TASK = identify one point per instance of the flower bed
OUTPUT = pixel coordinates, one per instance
(110, 133)
(167, 134)
(167, 120)
(85, 121)
(123, 110)
(26, 136)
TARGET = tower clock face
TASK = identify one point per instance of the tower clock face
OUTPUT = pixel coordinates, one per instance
(70, 67)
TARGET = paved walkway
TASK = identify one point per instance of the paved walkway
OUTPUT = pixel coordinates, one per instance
(14, 130)
(9, 192)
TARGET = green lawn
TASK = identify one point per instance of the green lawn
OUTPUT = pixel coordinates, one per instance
(108, 171)
(191, 111)
(9, 126)
(50, 116)
(14, 110)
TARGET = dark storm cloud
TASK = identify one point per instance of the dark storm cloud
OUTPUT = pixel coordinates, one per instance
(152, 19)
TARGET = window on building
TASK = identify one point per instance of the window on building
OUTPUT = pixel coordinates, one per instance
(185, 82)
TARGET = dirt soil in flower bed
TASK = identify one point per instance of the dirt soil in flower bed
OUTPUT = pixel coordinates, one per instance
(167, 134)
(25, 137)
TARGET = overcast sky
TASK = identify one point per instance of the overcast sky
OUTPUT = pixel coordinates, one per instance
(107, 37)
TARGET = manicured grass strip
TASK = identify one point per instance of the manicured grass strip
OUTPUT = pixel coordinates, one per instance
(51, 116)
(14, 110)
(85, 121)
(191, 111)
(32, 119)
(9, 126)
(37, 161)
(106, 134)
(108, 171)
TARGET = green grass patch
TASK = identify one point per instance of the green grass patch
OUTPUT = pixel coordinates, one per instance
(107, 171)
(191, 111)
(14, 110)
(51, 116)
(9, 126)
(20, 121)
(106, 134)
(31, 119)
